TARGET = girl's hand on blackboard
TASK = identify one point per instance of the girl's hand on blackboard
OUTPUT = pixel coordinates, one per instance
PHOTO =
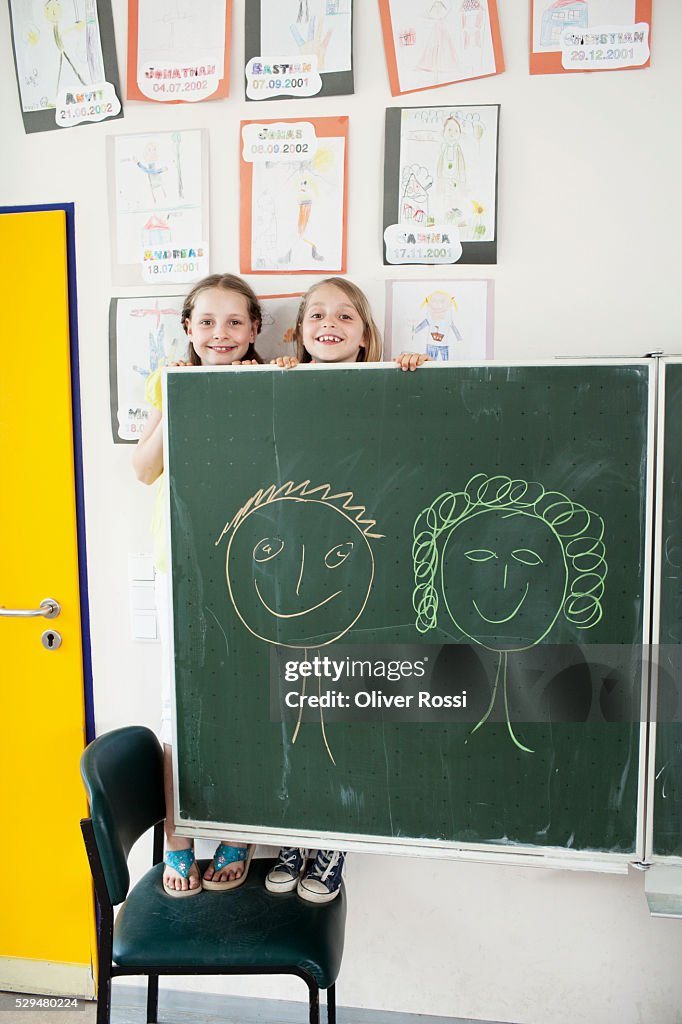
(179, 362)
(285, 362)
(411, 360)
(245, 362)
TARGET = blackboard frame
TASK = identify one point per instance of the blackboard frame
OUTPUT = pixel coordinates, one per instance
(490, 852)
(655, 783)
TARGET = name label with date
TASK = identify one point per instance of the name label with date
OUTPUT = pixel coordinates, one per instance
(605, 48)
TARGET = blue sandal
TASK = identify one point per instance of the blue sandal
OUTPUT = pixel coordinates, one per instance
(182, 862)
(224, 855)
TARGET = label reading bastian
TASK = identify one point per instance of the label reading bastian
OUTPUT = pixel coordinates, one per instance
(412, 244)
(282, 76)
(93, 103)
(606, 48)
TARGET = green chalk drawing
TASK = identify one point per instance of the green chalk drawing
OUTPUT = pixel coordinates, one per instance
(506, 558)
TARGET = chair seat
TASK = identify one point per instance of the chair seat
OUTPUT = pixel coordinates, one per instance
(246, 927)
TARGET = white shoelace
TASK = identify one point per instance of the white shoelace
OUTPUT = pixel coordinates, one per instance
(333, 861)
(288, 859)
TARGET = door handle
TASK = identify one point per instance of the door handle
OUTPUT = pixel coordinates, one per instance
(49, 609)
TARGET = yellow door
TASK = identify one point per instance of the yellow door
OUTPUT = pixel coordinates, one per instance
(46, 915)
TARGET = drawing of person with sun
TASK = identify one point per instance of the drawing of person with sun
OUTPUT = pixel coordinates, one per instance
(505, 558)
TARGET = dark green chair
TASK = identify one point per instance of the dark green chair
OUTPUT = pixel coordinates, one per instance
(245, 931)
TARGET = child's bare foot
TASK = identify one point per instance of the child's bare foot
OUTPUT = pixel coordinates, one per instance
(180, 874)
(228, 867)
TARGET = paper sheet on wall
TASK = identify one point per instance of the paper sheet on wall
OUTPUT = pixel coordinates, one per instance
(449, 320)
(158, 207)
(440, 185)
(65, 61)
(145, 332)
(293, 195)
(276, 336)
(430, 43)
(179, 50)
(588, 35)
(298, 48)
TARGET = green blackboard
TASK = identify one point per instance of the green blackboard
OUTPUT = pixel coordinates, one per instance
(667, 817)
(493, 515)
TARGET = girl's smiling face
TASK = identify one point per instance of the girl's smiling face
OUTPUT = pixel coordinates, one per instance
(332, 329)
(220, 327)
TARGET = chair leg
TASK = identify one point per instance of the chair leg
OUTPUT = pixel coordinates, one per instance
(152, 998)
(331, 1004)
(103, 994)
(314, 1002)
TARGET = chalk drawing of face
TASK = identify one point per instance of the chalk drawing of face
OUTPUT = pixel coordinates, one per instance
(506, 557)
(299, 571)
(504, 578)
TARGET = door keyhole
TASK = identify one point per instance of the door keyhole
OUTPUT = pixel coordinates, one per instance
(51, 640)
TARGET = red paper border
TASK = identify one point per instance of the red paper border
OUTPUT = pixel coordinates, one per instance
(325, 127)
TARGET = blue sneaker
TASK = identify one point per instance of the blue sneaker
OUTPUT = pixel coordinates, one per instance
(322, 881)
(284, 876)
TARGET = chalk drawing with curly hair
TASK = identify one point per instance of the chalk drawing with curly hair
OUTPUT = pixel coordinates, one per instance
(503, 559)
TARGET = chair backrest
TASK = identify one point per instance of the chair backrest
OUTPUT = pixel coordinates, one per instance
(123, 774)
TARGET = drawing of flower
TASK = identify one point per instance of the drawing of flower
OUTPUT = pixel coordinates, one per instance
(478, 228)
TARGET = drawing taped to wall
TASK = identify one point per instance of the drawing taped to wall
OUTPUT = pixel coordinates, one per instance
(145, 333)
(276, 336)
(589, 35)
(179, 50)
(157, 207)
(288, 32)
(65, 62)
(294, 210)
(435, 42)
(445, 189)
(444, 318)
(314, 27)
(503, 559)
(300, 566)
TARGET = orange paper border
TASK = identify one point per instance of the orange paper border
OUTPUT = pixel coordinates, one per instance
(132, 88)
(325, 128)
(550, 63)
(392, 61)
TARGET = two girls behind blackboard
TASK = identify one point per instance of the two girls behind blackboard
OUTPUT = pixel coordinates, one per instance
(222, 318)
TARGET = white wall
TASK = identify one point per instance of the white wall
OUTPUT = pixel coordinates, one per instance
(589, 239)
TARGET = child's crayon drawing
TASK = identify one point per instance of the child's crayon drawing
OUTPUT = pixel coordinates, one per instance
(434, 42)
(158, 201)
(308, 27)
(58, 46)
(448, 169)
(446, 319)
(145, 333)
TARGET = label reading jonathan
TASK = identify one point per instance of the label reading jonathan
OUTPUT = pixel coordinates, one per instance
(174, 263)
(278, 141)
(93, 103)
(186, 82)
(412, 244)
(282, 76)
(606, 48)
